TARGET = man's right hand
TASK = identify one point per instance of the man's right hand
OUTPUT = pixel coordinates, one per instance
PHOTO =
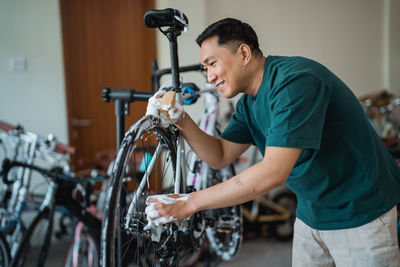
(169, 113)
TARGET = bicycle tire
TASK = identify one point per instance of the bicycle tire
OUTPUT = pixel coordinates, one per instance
(87, 251)
(137, 249)
(4, 251)
(25, 253)
(225, 235)
(283, 230)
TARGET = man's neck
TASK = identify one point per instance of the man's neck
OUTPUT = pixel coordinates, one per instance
(256, 78)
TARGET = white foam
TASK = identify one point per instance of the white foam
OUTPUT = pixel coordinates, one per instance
(154, 219)
(154, 106)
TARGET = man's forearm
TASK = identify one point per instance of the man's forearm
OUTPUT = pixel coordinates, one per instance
(207, 147)
(241, 188)
(255, 181)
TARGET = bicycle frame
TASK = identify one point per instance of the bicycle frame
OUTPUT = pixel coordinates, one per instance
(195, 179)
(48, 207)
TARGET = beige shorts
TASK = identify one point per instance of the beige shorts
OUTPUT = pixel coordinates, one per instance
(373, 244)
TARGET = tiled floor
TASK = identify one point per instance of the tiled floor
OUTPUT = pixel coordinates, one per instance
(263, 252)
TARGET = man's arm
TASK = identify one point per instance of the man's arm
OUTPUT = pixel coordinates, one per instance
(255, 181)
(216, 152)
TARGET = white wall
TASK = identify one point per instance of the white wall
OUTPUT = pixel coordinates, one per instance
(34, 97)
(344, 35)
(394, 46)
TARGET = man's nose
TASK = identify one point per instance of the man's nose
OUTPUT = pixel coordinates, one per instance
(211, 76)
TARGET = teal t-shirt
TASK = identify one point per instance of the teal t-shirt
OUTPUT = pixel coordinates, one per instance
(344, 177)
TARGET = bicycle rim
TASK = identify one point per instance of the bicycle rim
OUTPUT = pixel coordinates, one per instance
(86, 252)
(128, 244)
(4, 251)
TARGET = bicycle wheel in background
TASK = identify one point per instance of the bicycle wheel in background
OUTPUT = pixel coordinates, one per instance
(4, 252)
(84, 249)
(137, 247)
(226, 232)
(35, 243)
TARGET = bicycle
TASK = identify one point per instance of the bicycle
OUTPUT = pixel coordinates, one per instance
(18, 200)
(383, 110)
(84, 249)
(58, 193)
(124, 241)
(274, 214)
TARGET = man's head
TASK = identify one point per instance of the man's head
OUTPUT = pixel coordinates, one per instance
(229, 49)
(231, 33)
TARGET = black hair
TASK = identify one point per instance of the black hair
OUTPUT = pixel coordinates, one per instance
(231, 32)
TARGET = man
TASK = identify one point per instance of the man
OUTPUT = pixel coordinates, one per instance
(314, 137)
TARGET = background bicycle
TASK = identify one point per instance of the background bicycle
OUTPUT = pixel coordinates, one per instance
(31, 237)
(22, 195)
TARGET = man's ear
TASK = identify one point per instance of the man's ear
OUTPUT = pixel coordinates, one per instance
(245, 53)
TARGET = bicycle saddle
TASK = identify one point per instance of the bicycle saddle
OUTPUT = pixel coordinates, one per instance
(168, 17)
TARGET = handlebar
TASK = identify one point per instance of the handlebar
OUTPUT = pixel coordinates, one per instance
(382, 109)
(58, 146)
(6, 126)
(126, 95)
(158, 73)
(55, 176)
(64, 149)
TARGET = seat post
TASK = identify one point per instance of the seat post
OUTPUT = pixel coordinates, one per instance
(173, 45)
(172, 36)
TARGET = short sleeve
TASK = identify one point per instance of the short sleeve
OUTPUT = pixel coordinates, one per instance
(298, 111)
(237, 130)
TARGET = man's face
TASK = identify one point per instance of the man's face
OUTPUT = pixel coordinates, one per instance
(223, 66)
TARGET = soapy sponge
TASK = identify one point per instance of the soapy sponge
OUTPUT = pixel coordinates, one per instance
(167, 102)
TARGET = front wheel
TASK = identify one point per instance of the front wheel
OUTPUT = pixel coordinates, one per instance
(124, 241)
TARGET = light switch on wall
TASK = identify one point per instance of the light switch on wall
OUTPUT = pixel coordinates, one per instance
(18, 64)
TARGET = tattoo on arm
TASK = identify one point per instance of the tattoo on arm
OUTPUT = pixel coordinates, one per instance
(238, 181)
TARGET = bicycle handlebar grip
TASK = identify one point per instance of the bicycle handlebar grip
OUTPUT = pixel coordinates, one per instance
(106, 95)
(64, 149)
(6, 127)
